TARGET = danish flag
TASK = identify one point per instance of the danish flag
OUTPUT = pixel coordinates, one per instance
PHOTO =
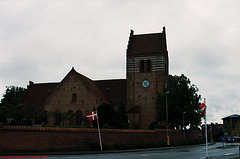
(203, 107)
(92, 115)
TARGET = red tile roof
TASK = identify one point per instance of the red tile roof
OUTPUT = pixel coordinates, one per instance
(114, 90)
(143, 44)
(38, 93)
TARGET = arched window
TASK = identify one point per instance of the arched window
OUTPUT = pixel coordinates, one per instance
(149, 65)
(142, 65)
(78, 118)
(74, 98)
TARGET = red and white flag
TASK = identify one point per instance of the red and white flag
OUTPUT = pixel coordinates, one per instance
(203, 111)
(203, 107)
(92, 115)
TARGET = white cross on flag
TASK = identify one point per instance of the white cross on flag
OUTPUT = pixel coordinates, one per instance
(92, 115)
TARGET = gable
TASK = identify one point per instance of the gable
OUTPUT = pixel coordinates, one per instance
(75, 91)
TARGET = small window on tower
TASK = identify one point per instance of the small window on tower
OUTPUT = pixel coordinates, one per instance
(149, 65)
(142, 64)
(74, 98)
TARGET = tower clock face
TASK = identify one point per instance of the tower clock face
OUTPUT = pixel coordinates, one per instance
(145, 83)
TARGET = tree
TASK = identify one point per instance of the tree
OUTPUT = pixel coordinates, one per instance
(11, 104)
(122, 117)
(182, 100)
(106, 115)
(37, 113)
(12, 96)
(4, 112)
(59, 117)
(111, 118)
(69, 116)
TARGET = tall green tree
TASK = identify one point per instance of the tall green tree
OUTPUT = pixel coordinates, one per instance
(182, 99)
(106, 115)
(12, 106)
(11, 103)
(4, 112)
(111, 117)
(12, 96)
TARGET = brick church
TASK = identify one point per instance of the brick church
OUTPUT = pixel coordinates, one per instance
(146, 73)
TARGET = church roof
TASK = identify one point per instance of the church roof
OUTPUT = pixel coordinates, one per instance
(143, 44)
(110, 91)
(114, 90)
(233, 116)
(38, 93)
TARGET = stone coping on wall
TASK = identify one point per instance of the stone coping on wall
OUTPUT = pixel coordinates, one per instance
(90, 130)
(38, 128)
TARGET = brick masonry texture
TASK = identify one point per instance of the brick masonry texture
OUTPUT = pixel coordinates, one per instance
(22, 138)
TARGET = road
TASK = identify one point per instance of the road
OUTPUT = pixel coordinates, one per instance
(192, 152)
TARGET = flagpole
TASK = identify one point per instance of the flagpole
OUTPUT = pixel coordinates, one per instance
(99, 134)
(206, 127)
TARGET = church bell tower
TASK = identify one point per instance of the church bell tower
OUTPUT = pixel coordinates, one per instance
(147, 72)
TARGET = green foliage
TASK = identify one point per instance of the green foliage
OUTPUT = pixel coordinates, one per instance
(106, 126)
(107, 115)
(135, 126)
(59, 117)
(182, 97)
(27, 115)
(4, 112)
(154, 125)
(12, 96)
(69, 115)
(12, 106)
(122, 122)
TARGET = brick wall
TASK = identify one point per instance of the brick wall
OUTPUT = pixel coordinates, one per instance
(144, 97)
(21, 138)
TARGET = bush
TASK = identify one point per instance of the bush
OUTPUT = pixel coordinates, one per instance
(106, 126)
(154, 125)
(135, 126)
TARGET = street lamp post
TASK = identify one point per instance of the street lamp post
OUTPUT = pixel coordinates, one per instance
(167, 117)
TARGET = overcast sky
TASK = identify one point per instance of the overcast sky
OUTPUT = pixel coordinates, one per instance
(42, 40)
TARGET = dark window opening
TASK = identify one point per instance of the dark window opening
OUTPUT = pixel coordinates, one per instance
(149, 65)
(142, 65)
(74, 98)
